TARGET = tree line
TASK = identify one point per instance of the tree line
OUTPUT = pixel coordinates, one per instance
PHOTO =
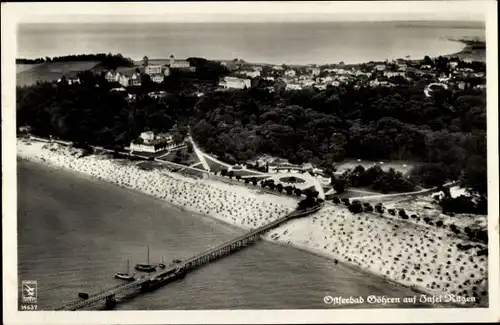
(109, 61)
(325, 127)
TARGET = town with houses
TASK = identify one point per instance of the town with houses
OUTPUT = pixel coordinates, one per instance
(243, 75)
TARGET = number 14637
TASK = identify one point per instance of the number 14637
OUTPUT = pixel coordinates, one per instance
(29, 307)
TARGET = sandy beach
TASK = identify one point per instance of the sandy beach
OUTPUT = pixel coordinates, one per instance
(426, 258)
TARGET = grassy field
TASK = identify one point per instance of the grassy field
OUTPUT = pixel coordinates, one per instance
(50, 71)
(400, 166)
(214, 166)
(128, 71)
(191, 157)
(25, 67)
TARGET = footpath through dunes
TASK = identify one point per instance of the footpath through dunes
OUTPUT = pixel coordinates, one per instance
(397, 250)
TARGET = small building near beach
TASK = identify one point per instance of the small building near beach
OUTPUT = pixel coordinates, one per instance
(149, 148)
(165, 136)
(148, 136)
(148, 142)
(24, 129)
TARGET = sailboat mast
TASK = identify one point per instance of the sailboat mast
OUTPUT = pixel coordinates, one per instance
(148, 255)
(128, 266)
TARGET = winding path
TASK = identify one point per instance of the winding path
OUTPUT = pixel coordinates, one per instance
(428, 90)
(407, 194)
(199, 154)
(309, 180)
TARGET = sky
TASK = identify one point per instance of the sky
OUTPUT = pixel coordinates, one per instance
(249, 11)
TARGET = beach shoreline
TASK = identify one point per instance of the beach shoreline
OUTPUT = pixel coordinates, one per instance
(242, 207)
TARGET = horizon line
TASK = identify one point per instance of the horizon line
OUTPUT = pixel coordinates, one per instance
(433, 20)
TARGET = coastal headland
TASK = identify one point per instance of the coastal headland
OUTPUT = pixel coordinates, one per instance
(474, 50)
(429, 259)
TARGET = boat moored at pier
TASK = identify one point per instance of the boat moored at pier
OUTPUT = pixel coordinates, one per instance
(145, 267)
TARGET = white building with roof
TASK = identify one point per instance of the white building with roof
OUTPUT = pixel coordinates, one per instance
(158, 78)
(69, 80)
(153, 69)
(124, 80)
(148, 136)
(235, 83)
(112, 76)
(121, 89)
(250, 73)
(157, 94)
(178, 64)
(293, 86)
(361, 73)
(390, 74)
(135, 80)
(315, 71)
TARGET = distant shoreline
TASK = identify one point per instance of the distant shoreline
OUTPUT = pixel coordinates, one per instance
(474, 49)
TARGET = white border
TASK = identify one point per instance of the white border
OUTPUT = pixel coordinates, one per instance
(12, 13)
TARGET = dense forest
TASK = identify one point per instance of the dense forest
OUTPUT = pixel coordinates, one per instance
(325, 127)
(447, 133)
(108, 61)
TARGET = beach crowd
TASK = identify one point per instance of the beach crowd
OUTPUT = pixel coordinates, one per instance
(428, 259)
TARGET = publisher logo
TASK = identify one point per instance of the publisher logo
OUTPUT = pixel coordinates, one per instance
(29, 291)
